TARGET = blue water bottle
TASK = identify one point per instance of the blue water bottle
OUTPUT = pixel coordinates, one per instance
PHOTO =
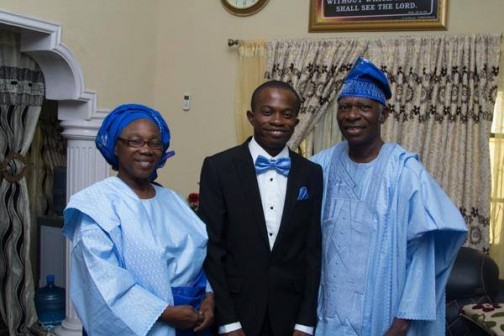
(50, 303)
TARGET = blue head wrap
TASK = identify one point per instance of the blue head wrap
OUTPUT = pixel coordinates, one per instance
(118, 120)
(366, 80)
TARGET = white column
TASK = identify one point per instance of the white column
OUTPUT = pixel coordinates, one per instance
(85, 166)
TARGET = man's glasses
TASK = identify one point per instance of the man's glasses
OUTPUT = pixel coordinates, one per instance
(139, 143)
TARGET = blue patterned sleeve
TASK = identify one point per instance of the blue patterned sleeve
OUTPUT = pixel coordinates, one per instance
(436, 230)
(105, 295)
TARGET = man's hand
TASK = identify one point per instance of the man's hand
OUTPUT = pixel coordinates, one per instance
(238, 332)
(181, 317)
(206, 312)
(398, 328)
(299, 333)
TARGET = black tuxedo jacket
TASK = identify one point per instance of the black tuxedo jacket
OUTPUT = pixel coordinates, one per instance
(247, 277)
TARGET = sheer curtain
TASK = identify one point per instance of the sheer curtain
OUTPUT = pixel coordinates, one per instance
(252, 59)
(324, 133)
(21, 96)
(497, 155)
(315, 68)
(443, 96)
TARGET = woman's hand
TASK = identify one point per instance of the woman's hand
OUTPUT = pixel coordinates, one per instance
(206, 312)
(182, 317)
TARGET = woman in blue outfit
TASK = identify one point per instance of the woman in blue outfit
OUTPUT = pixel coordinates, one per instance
(137, 248)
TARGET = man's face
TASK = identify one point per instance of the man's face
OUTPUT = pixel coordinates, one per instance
(274, 118)
(360, 120)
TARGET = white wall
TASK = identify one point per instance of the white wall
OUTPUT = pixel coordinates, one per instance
(153, 51)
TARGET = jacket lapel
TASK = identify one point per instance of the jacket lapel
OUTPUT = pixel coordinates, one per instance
(291, 195)
(247, 175)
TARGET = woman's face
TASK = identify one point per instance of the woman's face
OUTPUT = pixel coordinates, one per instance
(139, 150)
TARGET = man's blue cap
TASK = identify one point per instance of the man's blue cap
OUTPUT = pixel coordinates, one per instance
(366, 80)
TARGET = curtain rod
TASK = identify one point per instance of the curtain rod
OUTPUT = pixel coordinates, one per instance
(231, 42)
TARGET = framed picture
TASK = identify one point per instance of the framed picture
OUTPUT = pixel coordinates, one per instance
(372, 15)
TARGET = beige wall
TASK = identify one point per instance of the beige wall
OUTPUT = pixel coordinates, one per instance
(153, 51)
(105, 36)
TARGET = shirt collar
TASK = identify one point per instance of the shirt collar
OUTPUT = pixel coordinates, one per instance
(256, 150)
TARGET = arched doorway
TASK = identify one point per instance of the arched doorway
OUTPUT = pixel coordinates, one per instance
(77, 112)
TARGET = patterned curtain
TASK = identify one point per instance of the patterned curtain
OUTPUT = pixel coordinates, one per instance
(443, 96)
(315, 68)
(251, 62)
(21, 95)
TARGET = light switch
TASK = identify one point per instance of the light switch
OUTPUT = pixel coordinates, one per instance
(186, 103)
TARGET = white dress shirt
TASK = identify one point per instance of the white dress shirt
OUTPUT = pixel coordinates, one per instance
(272, 187)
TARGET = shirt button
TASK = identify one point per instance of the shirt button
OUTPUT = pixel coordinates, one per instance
(271, 208)
(271, 234)
(271, 179)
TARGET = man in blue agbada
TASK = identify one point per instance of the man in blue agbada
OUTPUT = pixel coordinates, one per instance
(137, 248)
(390, 233)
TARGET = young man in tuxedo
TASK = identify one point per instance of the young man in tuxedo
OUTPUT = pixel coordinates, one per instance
(261, 203)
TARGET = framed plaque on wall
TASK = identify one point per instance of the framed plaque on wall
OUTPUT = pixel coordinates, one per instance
(372, 15)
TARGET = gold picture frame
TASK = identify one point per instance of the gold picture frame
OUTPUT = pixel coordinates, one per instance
(377, 15)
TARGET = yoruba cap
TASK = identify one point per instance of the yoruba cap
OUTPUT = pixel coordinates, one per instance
(117, 120)
(366, 80)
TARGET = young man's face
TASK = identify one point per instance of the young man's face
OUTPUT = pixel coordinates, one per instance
(274, 118)
(360, 120)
